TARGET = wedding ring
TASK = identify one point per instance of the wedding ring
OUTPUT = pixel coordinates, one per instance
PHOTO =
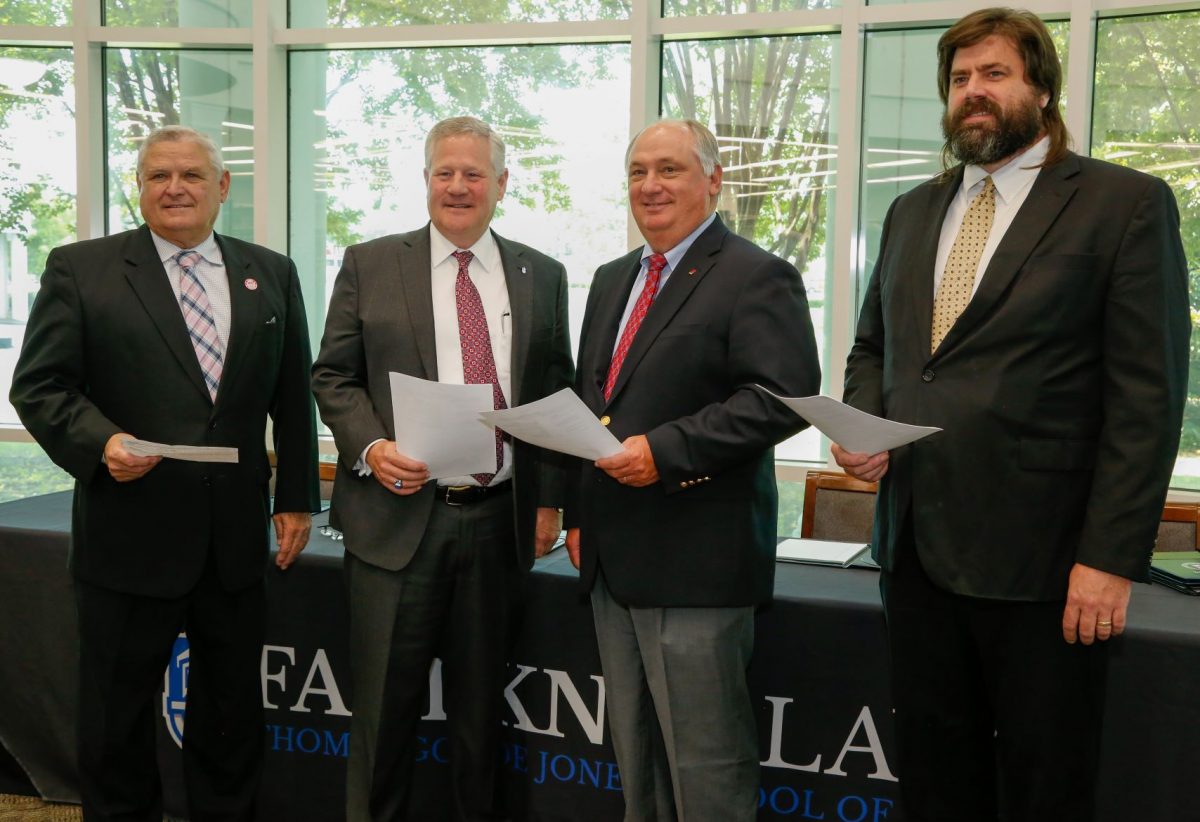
(398, 484)
(1103, 623)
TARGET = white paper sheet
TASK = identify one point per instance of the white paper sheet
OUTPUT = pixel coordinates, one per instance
(820, 551)
(560, 422)
(439, 425)
(191, 453)
(852, 429)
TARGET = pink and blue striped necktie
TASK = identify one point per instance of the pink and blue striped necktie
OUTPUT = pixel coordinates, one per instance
(197, 315)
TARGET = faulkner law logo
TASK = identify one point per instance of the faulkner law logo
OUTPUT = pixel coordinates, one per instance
(175, 688)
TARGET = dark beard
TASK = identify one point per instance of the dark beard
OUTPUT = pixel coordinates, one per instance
(983, 145)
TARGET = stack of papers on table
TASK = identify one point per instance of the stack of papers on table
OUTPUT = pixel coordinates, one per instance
(820, 552)
(1177, 569)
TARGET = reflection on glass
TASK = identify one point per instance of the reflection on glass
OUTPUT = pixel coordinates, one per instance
(340, 14)
(902, 133)
(35, 13)
(358, 125)
(1146, 115)
(37, 186)
(689, 8)
(174, 13)
(770, 102)
(207, 90)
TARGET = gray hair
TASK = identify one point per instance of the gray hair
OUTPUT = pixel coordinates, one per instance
(454, 126)
(704, 144)
(175, 134)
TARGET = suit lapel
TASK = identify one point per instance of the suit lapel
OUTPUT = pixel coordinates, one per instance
(245, 306)
(941, 195)
(148, 278)
(610, 306)
(414, 273)
(1050, 193)
(694, 266)
(518, 275)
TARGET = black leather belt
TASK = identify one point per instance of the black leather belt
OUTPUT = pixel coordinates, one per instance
(467, 494)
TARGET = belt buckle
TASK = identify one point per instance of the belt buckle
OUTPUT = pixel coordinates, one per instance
(450, 488)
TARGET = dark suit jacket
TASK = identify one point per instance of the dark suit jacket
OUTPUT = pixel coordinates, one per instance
(380, 320)
(106, 350)
(729, 317)
(1060, 388)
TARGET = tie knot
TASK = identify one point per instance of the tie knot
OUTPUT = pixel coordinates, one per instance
(989, 187)
(188, 258)
(657, 263)
(464, 259)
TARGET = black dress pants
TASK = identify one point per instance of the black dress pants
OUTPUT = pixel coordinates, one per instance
(997, 717)
(125, 643)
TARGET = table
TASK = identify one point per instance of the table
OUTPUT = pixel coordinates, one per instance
(819, 682)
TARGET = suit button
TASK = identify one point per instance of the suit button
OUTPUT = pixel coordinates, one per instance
(205, 481)
(605, 420)
(927, 375)
(212, 426)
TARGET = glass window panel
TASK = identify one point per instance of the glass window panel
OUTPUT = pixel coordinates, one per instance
(207, 90)
(1146, 115)
(673, 8)
(339, 14)
(902, 115)
(37, 186)
(771, 102)
(358, 126)
(35, 12)
(175, 13)
(26, 471)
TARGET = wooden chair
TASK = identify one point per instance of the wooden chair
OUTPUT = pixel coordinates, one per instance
(837, 507)
(1179, 529)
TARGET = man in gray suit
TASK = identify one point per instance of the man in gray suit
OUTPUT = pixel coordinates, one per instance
(434, 565)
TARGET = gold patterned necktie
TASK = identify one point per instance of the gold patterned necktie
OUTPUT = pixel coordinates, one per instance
(958, 281)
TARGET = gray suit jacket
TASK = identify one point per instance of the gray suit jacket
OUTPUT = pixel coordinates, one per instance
(381, 320)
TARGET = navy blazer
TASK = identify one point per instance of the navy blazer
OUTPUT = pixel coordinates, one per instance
(730, 317)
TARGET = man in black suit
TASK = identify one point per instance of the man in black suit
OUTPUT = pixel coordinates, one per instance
(1033, 304)
(434, 564)
(676, 534)
(173, 334)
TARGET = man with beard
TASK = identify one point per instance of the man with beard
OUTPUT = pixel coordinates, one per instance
(1033, 304)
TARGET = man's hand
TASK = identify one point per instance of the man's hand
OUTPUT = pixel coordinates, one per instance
(865, 467)
(634, 466)
(1096, 605)
(573, 546)
(399, 474)
(291, 535)
(122, 465)
(549, 526)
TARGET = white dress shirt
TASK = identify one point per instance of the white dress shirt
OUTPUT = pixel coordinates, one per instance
(1013, 182)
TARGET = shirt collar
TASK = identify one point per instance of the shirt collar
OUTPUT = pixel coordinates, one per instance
(1011, 178)
(486, 252)
(676, 254)
(208, 249)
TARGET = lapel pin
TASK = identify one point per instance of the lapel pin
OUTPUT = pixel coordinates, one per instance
(522, 269)
(250, 283)
(691, 272)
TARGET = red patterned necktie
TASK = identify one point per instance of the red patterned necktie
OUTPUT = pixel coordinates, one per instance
(657, 263)
(479, 366)
(197, 315)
